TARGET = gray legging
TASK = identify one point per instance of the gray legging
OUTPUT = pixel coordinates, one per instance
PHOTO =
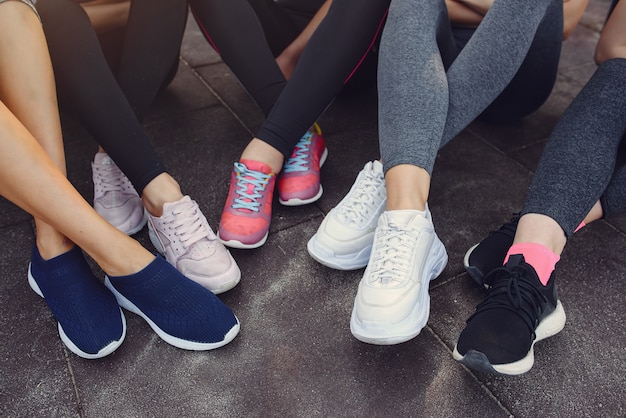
(429, 90)
(578, 165)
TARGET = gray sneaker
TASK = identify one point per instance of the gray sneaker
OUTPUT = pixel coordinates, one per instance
(115, 198)
(183, 235)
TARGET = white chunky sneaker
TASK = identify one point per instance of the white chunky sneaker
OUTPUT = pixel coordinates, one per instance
(392, 303)
(115, 198)
(183, 235)
(344, 239)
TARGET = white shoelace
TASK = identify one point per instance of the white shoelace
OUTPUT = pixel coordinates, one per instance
(366, 197)
(109, 177)
(186, 221)
(300, 161)
(391, 255)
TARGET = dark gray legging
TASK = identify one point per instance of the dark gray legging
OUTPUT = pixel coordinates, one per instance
(578, 164)
(429, 90)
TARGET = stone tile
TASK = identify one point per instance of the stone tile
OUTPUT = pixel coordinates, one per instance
(185, 93)
(11, 214)
(595, 14)
(225, 85)
(469, 195)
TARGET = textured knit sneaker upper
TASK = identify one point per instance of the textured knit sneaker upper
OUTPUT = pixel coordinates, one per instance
(299, 182)
(392, 302)
(180, 311)
(518, 311)
(344, 239)
(245, 221)
(489, 254)
(184, 236)
(91, 323)
(114, 197)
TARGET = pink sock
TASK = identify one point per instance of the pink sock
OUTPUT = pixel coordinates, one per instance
(540, 257)
(582, 224)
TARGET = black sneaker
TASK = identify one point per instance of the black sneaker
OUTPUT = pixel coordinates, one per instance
(489, 254)
(517, 312)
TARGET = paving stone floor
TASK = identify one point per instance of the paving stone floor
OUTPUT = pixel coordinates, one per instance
(295, 355)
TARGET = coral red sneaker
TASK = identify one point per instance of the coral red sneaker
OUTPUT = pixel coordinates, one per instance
(299, 182)
(247, 213)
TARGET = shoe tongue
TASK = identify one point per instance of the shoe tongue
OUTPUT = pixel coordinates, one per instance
(402, 217)
(377, 167)
(517, 260)
(256, 166)
(102, 158)
(169, 206)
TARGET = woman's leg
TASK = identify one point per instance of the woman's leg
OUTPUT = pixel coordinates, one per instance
(153, 36)
(89, 89)
(577, 165)
(319, 81)
(89, 321)
(311, 88)
(27, 88)
(420, 105)
(533, 82)
(87, 86)
(137, 279)
(575, 169)
(234, 30)
(613, 201)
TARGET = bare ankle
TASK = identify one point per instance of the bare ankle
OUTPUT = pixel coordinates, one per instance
(162, 189)
(50, 242)
(261, 151)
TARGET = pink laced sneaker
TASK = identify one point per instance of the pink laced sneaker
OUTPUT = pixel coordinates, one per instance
(299, 182)
(247, 213)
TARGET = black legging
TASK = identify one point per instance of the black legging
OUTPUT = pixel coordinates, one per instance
(111, 106)
(236, 30)
(248, 34)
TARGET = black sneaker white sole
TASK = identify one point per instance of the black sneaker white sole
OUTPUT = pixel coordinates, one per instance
(551, 325)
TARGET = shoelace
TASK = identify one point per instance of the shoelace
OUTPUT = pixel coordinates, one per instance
(110, 178)
(249, 196)
(366, 196)
(511, 292)
(394, 247)
(186, 221)
(300, 161)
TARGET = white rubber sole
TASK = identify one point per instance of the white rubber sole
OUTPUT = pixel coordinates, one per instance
(328, 258)
(240, 245)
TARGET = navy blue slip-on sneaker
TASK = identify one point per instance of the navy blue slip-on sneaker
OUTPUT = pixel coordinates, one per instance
(91, 324)
(182, 312)
(517, 312)
(489, 254)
